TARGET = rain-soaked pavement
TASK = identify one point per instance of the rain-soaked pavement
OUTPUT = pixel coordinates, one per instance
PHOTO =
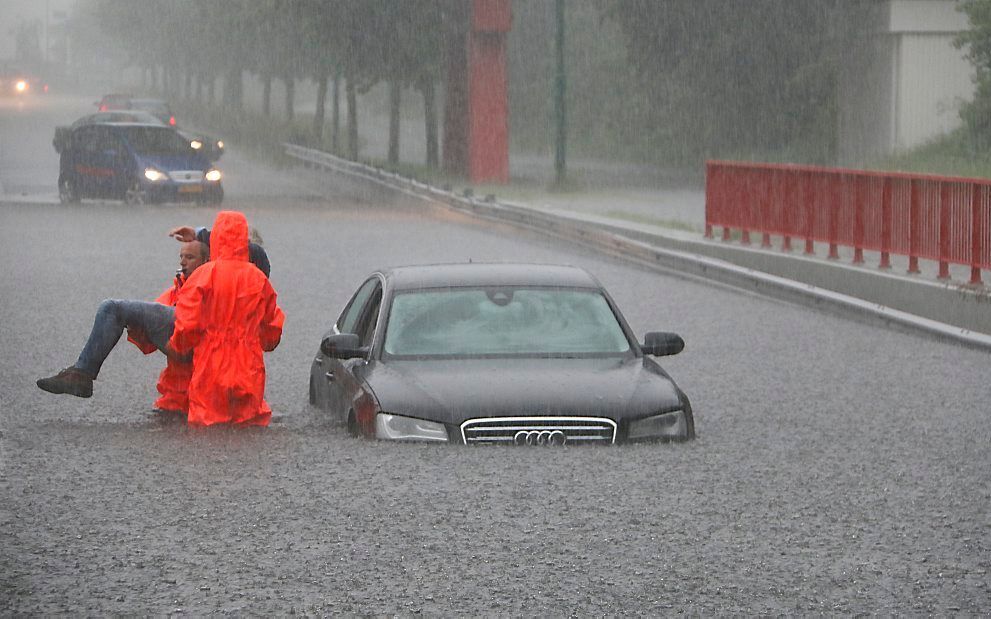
(839, 467)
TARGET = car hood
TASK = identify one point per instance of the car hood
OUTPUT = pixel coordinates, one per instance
(169, 163)
(454, 391)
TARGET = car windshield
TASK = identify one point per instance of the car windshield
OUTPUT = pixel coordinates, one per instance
(500, 321)
(157, 141)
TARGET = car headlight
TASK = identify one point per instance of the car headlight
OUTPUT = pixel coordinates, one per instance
(155, 175)
(667, 425)
(196, 144)
(399, 428)
(213, 175)
(220, 144)
(21, 85)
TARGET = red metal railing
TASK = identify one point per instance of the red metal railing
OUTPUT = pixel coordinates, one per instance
(946, 219)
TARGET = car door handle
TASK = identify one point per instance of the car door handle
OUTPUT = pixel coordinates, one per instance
(330, 376)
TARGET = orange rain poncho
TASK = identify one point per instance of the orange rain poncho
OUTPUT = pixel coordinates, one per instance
(227, 312)
(173, 382)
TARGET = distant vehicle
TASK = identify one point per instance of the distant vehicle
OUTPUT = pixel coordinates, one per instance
(158, 107)
(495, 354)
(212, 148)
(114, 102)
(134, 162)
(16, 82)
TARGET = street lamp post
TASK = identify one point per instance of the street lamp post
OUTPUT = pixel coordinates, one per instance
(560, 112)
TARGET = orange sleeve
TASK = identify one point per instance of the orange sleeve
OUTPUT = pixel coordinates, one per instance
(273, 320)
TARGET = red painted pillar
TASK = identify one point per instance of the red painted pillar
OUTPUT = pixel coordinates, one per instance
(476, 130)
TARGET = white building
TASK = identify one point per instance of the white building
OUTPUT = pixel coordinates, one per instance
(902, 81)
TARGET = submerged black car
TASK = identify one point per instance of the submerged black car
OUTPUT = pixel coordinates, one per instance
(515, 354)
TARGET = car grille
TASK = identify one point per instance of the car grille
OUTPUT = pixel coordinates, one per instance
(187, 176)
(539, 431)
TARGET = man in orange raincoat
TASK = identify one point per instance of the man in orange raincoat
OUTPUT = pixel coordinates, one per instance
(174, 379)
(227, 312)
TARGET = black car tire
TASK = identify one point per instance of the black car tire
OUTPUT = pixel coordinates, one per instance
(353, 425)
(134, 195)
(67, 192)
(218, 196)
(690, 424)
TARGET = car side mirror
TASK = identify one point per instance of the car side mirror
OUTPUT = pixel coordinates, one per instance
(343, 346)
(661, 343)
(62, 138)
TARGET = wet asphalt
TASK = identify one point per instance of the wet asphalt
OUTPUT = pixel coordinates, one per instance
(839, 468)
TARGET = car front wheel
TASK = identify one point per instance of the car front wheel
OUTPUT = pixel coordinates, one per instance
(135, 194)
(67, 192)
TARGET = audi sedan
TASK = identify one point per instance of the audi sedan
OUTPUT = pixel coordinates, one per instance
(495, 354)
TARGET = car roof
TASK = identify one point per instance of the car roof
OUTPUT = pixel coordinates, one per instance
(125, 124)
(487, 274)
(136, 116)
(155, 102)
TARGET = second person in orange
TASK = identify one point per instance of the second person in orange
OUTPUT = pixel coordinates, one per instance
(227, 315)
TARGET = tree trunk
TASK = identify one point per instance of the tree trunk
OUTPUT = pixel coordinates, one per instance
(395, 103)
(352, 96)
(234, 90)
(430, 121)
(335, 143)
(290, 98)
(318, 116)
(266, 94)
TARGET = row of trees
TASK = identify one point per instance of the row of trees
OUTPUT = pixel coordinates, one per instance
(667, 82)
(202, 50)
(670, 81)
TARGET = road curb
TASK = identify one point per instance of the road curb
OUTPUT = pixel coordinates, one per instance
(651, 250)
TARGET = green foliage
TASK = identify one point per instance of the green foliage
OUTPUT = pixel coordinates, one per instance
(731, 77)
(955, 154)
(977, 41)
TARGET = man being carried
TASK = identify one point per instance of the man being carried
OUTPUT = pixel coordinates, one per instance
(155, 321)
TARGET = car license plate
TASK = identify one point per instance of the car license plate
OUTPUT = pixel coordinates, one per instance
(190, 189)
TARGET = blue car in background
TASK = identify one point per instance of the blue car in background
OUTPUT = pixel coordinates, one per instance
(135, 162)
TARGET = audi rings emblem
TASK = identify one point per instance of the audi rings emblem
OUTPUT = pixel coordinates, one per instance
(540, 437)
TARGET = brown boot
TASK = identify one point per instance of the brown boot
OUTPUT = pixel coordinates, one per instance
(71, 380)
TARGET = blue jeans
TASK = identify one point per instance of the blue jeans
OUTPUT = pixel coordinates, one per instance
(114, 315)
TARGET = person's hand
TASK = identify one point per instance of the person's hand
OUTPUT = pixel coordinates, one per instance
(173, 355)
(183, 234)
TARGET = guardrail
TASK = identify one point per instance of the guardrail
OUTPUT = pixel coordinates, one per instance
(945, 219)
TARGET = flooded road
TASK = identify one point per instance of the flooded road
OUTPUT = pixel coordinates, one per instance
(840, 468)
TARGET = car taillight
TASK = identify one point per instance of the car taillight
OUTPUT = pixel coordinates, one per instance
(103, 108)
(172, 120)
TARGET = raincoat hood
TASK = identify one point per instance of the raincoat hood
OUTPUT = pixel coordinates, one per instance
(229, 238)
